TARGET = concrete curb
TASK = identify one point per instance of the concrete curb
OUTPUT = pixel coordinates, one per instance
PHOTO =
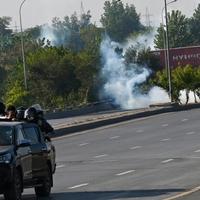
(113, 120)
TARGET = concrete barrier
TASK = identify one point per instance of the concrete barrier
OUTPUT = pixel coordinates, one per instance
(78, 111)
(129, 115)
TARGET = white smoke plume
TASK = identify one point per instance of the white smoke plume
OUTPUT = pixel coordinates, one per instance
(57, 37)
(122, 81)
(191, 97)
(141, 41)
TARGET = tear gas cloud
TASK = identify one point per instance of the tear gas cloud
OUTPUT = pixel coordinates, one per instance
(122, 83)
(141, 41)
(57, 36)
(191, 97)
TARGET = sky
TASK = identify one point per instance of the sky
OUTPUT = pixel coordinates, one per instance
(37, 12)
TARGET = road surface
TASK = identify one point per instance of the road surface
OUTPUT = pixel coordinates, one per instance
(152, 158)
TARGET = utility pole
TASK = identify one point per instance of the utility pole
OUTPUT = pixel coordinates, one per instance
(22, 44)
(168, 52)
(82, 9)
(148, 17)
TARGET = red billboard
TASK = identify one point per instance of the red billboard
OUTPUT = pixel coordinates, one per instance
(180, 56)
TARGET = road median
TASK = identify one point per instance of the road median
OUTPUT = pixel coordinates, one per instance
(95, 121)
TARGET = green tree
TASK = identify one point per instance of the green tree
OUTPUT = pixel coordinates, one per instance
(120, 21)
(52, 71)
(68, 31)
(195, 26)
(91, 37)
(142, 56)
(183, 78)
(86, 70)
(188, 77)
(15, 92)
(4, 26)
(16, 95)
(5, 33)
(85, 19)
(179, 34)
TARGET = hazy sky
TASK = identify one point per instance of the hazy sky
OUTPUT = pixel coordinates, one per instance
(36, 12)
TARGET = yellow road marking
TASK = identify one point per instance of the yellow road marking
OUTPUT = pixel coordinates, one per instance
(183, 194)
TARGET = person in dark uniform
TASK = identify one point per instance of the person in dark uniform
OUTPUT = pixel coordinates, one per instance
(11, 113)
(21, 113)
(2, 110)
(36, 117)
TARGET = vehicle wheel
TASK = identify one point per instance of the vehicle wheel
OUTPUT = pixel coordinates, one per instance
(45, 189)
(14, 192)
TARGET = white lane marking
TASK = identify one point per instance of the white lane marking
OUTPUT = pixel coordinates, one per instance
(60, 166)
(83, 144)
(190, 133)
(101, 156)
(165, 125)
(78, 186)
(195, 157)
(108, 127)
(140, 131)
(104, 161)
(167, 161)
(165, 140)
(114, 137)
(197, 151)
(184, 120)
(124, 173)
(136, 147)
(183, 194)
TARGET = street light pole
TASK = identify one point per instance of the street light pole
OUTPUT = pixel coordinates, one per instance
(22, 45)
(168, 53)
(164, 36)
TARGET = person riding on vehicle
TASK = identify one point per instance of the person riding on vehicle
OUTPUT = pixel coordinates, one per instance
(21, 113)
(2, 110)
(11, 113)
(36, 117)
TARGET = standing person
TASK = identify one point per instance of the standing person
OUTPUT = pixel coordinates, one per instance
(11, 113)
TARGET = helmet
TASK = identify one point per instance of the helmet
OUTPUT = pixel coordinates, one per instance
(2, 108)
(31, 114)
(20, 113)
(40, 112)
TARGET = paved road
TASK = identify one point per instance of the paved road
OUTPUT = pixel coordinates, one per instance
(153, 158)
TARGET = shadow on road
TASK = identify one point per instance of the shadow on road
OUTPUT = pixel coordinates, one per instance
(106, 195)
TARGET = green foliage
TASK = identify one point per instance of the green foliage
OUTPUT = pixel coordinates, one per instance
(195, 26)
(16, 95)
(91, 37)
(141, 56)
(14, 90)
(3, 74)
(52, 71)
(68, 30)
(120, 21)
(4, 26)
(67, 75)
(179, 34)
(85, 70)
(183, 78)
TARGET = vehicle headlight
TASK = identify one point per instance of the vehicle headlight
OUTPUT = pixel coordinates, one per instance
(6, 158)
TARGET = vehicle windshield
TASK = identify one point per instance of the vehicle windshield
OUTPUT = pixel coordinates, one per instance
(6, 135)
